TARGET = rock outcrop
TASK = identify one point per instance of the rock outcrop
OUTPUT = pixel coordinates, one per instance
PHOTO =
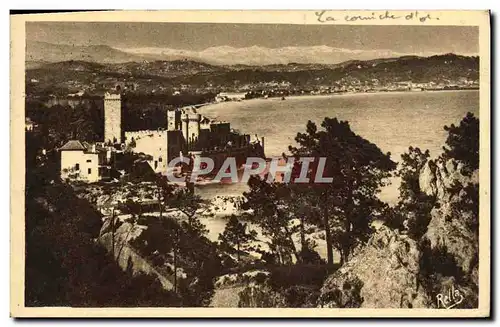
(438, 177)
(387, 271)
(384, 273)
(127, 257)
(449, 224)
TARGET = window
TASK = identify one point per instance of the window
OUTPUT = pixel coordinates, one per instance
(156, 164)
(89, 160)
(160, 159)
(77, 166)
(89, 171)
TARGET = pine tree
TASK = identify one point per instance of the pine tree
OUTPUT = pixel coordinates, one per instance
(359, 169)
(463, 142)
(236, 235)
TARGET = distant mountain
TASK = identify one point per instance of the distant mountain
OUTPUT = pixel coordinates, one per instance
(49, 52)
(219, 55)
(260, 56)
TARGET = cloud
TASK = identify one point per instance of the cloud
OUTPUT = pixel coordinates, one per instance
(257, 55)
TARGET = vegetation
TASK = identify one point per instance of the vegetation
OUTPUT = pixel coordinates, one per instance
(191, 207)
(349, 296)
(64, 265)
(462, 143)
(295, 286)
(235, 235)
(358, 170)
(59, 124)
(268, 203)
(437, 268)
(183, 253)
(413, 210)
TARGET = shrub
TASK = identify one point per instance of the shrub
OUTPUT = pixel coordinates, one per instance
(463, 142)
(349, 296)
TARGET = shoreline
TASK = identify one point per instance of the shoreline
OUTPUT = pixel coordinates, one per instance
(212, 110)
(199, 107)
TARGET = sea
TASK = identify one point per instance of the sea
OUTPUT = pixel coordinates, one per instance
(394, 121)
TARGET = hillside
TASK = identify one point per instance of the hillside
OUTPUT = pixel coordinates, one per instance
(447, 68)
(48, 52)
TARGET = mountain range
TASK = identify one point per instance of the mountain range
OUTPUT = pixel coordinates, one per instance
(42, 52)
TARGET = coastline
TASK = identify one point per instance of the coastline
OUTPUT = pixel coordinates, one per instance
(200, 107)
(217, 110)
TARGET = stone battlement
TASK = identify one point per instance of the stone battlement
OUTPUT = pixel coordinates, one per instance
(112, 96)
(145, 133)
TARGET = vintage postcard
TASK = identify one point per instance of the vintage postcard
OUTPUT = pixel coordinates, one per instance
(250, 164)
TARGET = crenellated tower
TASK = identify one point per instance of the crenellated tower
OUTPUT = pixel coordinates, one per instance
(112, 117)
(194, 120)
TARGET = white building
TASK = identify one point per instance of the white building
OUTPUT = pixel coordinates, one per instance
(230, 96)
(80, 161)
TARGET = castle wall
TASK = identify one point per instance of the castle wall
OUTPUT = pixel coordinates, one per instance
(240, 154)
(153, 143)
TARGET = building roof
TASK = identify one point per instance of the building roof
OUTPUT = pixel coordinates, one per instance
(73, 145)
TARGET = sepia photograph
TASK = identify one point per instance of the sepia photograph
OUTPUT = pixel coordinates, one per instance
(232, 160)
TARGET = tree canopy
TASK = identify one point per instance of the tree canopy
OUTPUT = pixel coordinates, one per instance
(462, 142)
(359, 169)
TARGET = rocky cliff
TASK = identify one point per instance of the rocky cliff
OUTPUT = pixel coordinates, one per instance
(451, 219)
(381, 275)
(393, 270)
(127, 257)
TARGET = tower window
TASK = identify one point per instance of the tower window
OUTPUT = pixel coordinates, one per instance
(77, 166)
(89, 160)
(89, 171)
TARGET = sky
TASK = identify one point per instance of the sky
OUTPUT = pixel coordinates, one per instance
(299, 42)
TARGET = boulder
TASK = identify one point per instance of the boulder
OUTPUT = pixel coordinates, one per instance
(383, 274)
(438, 177)
(446, 229)
(448, 226)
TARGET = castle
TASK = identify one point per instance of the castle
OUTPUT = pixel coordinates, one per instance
(187, 133)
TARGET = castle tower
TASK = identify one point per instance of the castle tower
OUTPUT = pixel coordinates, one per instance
(112, 117)
(194, 127)
(171, 120)
(185, 127)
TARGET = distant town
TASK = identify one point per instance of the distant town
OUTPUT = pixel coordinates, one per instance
(181, 78)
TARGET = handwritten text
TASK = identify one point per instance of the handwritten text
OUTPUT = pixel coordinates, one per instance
(326, 16)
